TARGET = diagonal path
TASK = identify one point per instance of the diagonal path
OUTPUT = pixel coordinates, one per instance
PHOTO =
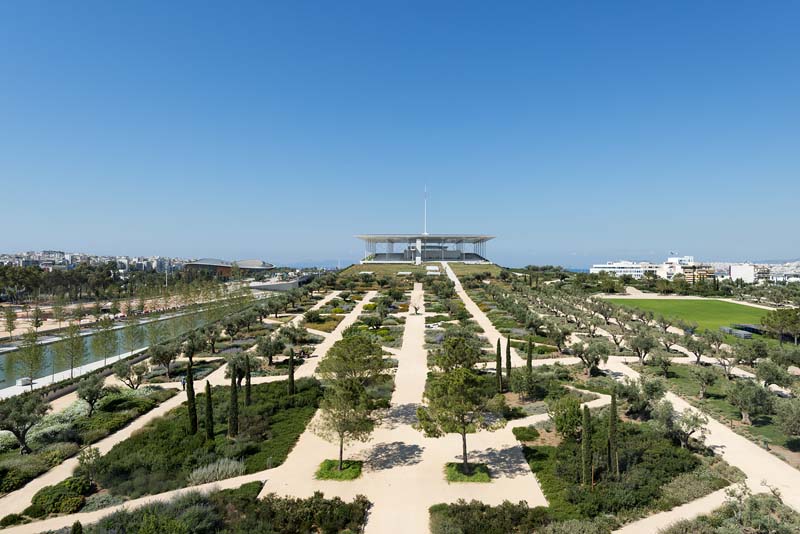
(18, 500)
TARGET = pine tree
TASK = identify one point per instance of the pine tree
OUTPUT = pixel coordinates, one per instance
(586, 447)
(233, 409)
(190, 401)
(508, 360)
(291, 372)
(613, 457)
(529, 362)
(499, 369)
(209, 413)
(247, 400)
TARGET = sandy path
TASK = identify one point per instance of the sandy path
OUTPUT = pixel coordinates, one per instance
(20, 499)
(489, 331)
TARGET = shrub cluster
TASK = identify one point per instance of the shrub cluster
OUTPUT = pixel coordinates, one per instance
(238, 511)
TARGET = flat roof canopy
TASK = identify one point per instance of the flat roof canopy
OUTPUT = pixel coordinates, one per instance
(429, 238)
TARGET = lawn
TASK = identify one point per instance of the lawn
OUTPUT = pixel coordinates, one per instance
(382, 269)
(466, 269)
(329, 470)
(707, 313)
(454, 472)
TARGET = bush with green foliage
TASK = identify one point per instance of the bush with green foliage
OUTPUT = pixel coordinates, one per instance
(526, 433)
(239, 511)
(162, 455)
(66, 497)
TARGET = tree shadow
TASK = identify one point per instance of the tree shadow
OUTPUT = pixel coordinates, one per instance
(402, 414)
(395, 454)
(508, 462)
(793, 444)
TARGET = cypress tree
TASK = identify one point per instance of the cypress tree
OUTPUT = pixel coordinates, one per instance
(499, 368)
(508, 360)
(209, 413)
(77, 528)
(529, 362)
(613, 457)
(190, 401)
(233, 409)
(291, 371)
(586, 447)
(247, 380)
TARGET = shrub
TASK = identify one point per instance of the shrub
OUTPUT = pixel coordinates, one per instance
(98, 501)
(526, 433)
(66, 497)
(11, 519)
(219, 470)
(478, 518)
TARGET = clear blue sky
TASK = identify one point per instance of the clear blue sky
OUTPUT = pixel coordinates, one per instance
(574, 131)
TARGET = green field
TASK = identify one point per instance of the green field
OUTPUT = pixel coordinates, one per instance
(707, 313)
(465, 269)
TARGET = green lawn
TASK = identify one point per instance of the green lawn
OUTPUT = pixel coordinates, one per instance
(707, 313)
(382, 269)
(465, 269)
(479, 473)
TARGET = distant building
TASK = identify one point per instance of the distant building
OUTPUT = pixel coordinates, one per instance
(669, 269)
(223, 268)
(635, 270)
(418, 248)
(749, 273)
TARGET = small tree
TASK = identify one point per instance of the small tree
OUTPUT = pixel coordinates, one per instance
(698, 346)
(565, 412)
(508, 360)
(10, 318)
(346, 415)
(788, 411)
(247, 384)
(705, 377)
(164, 355)
(30, 356)
(456, 403)
(269, 347)
(750, 398)
(91, 390)
(613, 455)
(74, 348)
(770, 372)
(212, 335)
(591, 354)
(209, 413)
(498, 369)
(233, 408)
(529, 360)
(457, 351)
(663, 362)
(104, 342)
(19, 414)
(691, 424)
(642, 344)
(130, 375)
(586, 448)
(290, 387)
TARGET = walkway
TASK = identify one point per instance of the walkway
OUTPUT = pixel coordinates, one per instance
(17, 501)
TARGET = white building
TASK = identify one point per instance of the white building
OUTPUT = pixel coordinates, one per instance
(635, 270)
(749, 273)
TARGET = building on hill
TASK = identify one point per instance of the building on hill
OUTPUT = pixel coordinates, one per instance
(418, 248)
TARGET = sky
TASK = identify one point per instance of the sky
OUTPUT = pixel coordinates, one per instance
(575, 132)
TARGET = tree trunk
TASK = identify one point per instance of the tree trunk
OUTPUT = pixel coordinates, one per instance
(746, 418)
(464, 451)
(341, 452)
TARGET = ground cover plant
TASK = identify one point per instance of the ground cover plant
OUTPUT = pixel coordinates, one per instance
(238, 511)
(762, 513)
(707, 313)
(454, 472)
(329, 470)
(59, 436)
(162, 456)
